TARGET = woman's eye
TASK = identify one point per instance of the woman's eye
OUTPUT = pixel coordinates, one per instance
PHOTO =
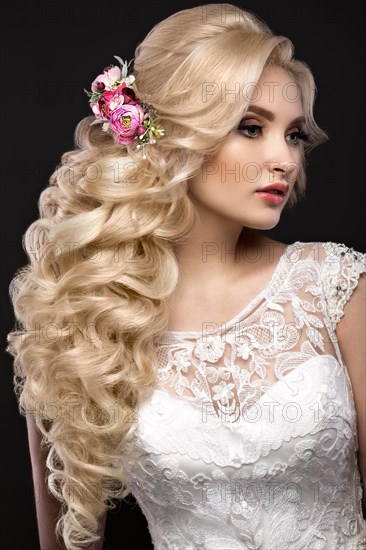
(299, 135)
(294, 135)
(252, 130)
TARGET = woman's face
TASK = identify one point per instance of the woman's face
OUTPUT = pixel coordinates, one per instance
(267, 148)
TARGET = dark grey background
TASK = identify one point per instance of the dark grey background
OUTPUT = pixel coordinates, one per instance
(49, 53)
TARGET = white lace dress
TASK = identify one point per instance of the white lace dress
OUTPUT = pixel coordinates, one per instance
(249, 440)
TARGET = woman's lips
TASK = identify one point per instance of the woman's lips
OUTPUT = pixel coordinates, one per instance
(269, 194)
(271, 197)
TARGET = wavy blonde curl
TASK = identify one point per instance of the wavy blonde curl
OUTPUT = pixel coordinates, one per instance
(92, 299)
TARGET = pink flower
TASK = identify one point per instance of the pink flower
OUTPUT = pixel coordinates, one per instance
(109, 77)
(130, 96)
(111, 99)
(107, 102)
(125, 121)
(98, 108)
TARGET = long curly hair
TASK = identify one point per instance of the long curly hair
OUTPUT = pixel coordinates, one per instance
(91, 301)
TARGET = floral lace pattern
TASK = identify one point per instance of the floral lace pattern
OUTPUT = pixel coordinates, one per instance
(341, 270)
(249, 440)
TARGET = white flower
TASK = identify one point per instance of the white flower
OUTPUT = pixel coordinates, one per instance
(222, 392)
(244, 350)
(181, 361)
(211, 350)
(199, 479)
(130, 80)
(278, 468)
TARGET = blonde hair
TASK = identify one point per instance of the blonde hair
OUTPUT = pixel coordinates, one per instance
(92, 299)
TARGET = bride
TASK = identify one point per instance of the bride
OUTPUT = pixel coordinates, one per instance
(166, 347)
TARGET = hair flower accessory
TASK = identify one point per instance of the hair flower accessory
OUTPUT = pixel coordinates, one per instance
(123, 115)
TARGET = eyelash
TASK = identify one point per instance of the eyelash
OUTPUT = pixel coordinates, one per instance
(301, 134)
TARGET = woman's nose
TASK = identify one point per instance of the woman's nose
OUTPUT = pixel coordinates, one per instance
(280, 153)
(286, 170)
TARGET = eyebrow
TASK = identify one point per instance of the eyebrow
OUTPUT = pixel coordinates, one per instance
(269, 115)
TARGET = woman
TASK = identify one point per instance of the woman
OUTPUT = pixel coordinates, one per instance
(168, 348)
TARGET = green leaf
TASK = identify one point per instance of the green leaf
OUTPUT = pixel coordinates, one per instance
(99, 121)
(119, 59)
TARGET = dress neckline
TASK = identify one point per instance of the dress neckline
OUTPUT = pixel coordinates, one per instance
(276, 273)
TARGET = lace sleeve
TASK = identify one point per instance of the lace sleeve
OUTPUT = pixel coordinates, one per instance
(340, 271)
